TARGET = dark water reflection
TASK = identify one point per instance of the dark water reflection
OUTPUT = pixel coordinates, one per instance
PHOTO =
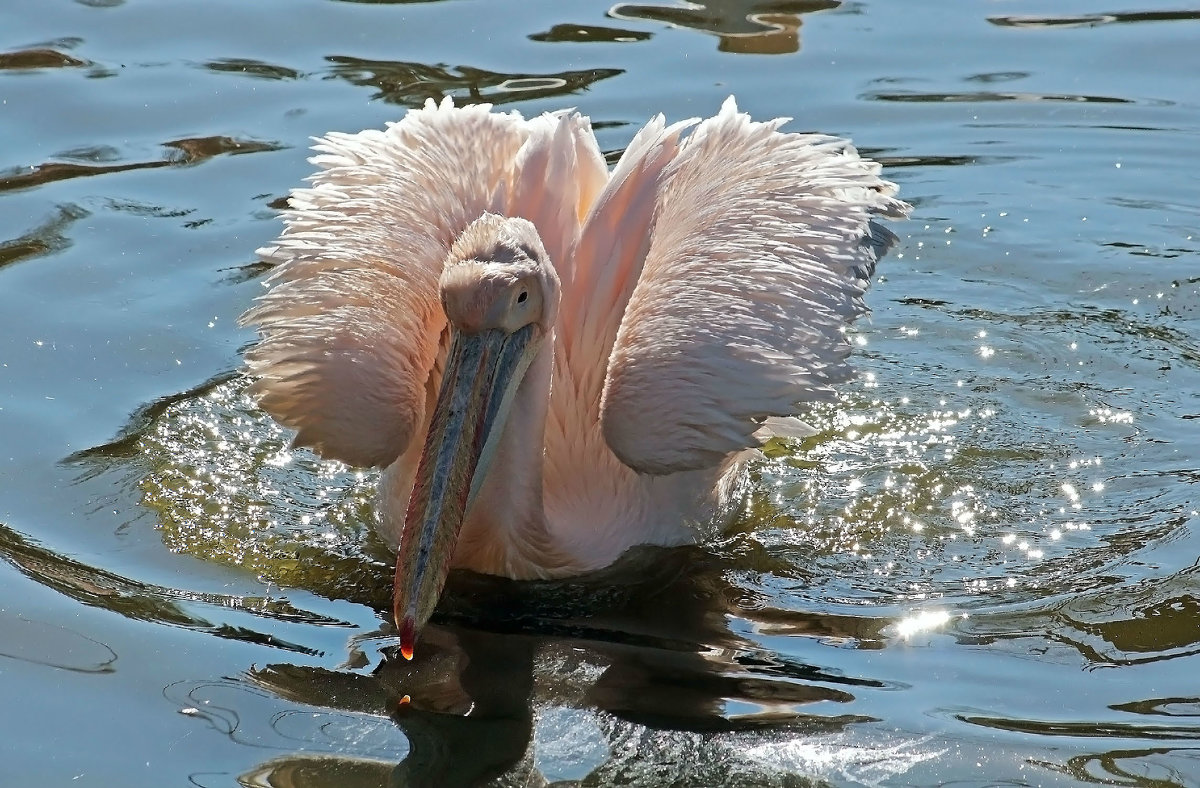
(252, 68)
(762, 27)
(183, 152)
(1150, 767)
(660, 656)
(978, 96)
(1094, 20)
(409, 84)
(577, 34)
(40, 57)
(45, 239)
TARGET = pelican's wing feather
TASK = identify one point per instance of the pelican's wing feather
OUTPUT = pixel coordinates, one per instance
(762, 249)
(351, 325)
(559, 172)
(607, 261)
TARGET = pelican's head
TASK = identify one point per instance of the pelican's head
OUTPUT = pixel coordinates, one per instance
(500, 296)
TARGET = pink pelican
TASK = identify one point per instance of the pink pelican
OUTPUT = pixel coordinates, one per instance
(550, 361)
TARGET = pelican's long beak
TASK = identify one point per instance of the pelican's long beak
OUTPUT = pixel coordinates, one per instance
(482, 373)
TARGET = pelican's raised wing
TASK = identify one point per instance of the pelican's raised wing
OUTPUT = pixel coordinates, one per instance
(351, 327)
(763, 246)
(606, 264)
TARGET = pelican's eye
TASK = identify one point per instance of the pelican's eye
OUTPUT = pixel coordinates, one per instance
(523, 297)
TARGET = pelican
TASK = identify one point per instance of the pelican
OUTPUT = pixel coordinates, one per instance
(553, 362)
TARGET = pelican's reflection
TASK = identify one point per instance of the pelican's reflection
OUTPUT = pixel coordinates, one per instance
(649, 642)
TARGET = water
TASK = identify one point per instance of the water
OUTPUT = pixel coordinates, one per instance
(982, 570)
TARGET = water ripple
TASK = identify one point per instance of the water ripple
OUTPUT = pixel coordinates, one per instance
(1092, 20)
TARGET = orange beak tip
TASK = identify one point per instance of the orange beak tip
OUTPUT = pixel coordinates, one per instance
(408, 637)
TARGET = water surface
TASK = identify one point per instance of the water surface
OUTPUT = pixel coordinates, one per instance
(982, 570)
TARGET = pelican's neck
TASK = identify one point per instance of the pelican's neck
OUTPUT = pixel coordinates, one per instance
(505, 530)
